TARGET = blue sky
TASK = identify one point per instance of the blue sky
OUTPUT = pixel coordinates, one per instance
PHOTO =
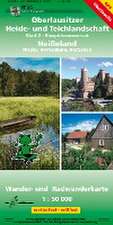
(38, 64)
(84, 122)
(71, 67)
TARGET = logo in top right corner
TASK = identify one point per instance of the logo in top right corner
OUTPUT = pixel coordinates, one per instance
(108, 4)
(103, 8)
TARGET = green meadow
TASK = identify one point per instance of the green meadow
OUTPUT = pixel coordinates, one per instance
(46, 109)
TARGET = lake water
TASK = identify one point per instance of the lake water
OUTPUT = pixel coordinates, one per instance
(49, 137)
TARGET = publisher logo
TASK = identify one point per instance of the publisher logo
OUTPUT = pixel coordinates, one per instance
(104, 9)
(15, 11)
(23, 9)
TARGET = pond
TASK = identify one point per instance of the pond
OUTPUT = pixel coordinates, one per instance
(49, 137)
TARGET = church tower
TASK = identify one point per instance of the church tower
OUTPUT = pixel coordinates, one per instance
(102, 74)
(87, 85)
(84, 76)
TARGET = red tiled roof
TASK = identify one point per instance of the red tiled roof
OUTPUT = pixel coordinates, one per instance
(77, 134)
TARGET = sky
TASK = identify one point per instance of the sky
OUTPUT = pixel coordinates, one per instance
(71, 67)
(37, 64)
(84, 122)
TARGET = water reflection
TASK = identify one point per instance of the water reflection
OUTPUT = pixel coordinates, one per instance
(49, 137)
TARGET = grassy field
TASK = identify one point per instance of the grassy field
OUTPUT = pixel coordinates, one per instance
(46, 109)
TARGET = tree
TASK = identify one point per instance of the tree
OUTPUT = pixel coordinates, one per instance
(100, 88)
(66, 85)
(27, 83)
(7, 79)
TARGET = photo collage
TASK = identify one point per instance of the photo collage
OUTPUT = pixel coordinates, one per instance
(56, 113)
(87, 118)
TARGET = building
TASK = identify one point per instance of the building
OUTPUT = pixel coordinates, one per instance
(86, 84)
(77, 137)
(77, 79)
(101, 74)
(99, 138)
(102, 136)
(109, 84)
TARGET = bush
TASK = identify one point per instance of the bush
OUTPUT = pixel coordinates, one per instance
(46, 160)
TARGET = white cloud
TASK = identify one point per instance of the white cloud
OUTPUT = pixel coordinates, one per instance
(72, 68)
(2, 60)
(84, 59)
(37, 64)
(75, 59)
(11, 61)
(87, 125)
(70, 58)
(105, 64)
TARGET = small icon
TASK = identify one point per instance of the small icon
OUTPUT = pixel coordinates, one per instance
(108, 5)
(13, 202)
(25, 147)
(15, 11)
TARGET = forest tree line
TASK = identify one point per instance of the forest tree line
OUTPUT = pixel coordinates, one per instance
(27, 83)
